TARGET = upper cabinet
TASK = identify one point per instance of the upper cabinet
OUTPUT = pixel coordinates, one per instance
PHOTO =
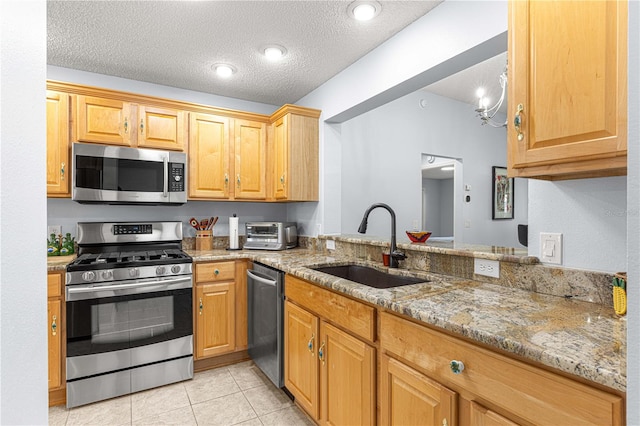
(208, 156)
(58, 166)
(116, 122)
(294, 154)
(567, 89)
(250, 155)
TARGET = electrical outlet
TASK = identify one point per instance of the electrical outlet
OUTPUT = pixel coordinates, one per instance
(331, 245)
(551, 248)
(488, 268)
(416, 225)
(54, 229)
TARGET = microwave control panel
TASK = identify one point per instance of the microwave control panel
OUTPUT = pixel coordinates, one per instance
(176, 180)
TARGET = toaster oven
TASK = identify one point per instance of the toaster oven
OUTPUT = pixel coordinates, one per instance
(271, 235)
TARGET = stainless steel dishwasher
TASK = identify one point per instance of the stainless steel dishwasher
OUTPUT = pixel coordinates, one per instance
(265, 311)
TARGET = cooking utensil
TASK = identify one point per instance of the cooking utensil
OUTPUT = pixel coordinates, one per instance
(204, 223)
(210, 223)
(194, 222)
(215, 220)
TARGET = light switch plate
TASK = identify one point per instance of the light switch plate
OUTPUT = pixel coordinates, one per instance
(54, 229)
(331, 245)
(488, 268)
(551, 248)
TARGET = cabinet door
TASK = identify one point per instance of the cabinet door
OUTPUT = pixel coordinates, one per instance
(54, 323)
(300, 360)
(408, 397)
(250, 159)
(480, 416)
(161, 128)
(568, 70)
(58, 166)
(281, 158)
(208, 156)
(102, 120)
(241, 304)
(347, 378)
(215, 320)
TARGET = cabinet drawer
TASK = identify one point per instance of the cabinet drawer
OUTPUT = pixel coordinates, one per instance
(217, 271)
(356, 317)
(54, 284)
(531, 393)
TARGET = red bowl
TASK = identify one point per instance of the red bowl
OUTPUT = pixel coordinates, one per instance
(418, 236)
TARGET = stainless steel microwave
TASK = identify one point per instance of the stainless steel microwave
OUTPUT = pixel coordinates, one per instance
(106, 174)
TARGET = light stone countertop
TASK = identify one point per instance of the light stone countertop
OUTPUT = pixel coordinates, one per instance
(583, 339)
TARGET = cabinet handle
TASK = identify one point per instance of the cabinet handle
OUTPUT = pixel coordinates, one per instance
(321, 354)
(457, 367)
(517, 121)
(282, 179)
(142, 126)
(62, 166)
(216, 272)
(54, 325)
(310, 344)
(226, 179)
(201, 306)
(238, 179)
(126, 125)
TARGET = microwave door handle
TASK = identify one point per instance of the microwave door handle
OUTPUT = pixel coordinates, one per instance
(165, 186)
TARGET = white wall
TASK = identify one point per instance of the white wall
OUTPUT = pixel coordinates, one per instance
(382, 155)
(23, 288)
(633, 218)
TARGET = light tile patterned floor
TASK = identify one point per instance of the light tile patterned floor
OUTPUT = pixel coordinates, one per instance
(238, 394)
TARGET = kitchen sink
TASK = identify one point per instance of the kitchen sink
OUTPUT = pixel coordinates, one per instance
(368, 276)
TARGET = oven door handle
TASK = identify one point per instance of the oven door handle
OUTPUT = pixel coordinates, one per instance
(253, 275)
(136, 287)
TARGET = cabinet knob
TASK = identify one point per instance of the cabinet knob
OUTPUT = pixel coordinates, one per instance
(310, 343)
(282, 179)
(126, 125)
(62, 166)
(457, 367)
(142, 125)
(226, 179)
(321, 353)
(216, 271)
(517, 121)
(54, 325)
(238, 179)
(201, 306)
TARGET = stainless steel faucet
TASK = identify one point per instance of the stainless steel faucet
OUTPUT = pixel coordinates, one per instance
(394, 255)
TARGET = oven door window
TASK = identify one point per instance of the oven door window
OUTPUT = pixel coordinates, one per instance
(115, 323)
(118, 174)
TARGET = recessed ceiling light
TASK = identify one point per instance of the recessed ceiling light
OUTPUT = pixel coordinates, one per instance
(274, 52)
(364, 10)
(224, 70)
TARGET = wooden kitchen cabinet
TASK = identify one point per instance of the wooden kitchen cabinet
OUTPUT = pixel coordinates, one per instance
(117, 122)
(161, 128)
(58, 165)
(215, 309)
(208, 156)
(329, 370)
(568, 74)
(492, 388)
(294, 154)
(250, 159)
(56, 342)
(411, 398)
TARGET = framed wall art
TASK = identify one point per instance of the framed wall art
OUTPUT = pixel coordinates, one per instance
(502, 204)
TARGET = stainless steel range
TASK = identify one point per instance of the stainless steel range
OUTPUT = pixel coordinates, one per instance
(129, 310)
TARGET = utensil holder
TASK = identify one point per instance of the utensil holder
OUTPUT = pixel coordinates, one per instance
(204, 240)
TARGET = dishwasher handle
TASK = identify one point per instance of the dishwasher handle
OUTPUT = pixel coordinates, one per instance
(261, 278)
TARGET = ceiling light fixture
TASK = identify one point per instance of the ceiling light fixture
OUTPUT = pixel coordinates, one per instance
(364, 10)
(486, 114)
(224, 70)
(274, 52)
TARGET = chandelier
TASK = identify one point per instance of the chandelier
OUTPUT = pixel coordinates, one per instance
(483, 111)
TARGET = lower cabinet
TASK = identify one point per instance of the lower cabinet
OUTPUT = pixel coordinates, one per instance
(220, 308)
(330, 371)
(418, 381)
(56, 341)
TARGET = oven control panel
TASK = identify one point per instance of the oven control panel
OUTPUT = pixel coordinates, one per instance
(133, 228)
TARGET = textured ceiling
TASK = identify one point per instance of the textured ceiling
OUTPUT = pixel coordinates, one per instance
(175, 43)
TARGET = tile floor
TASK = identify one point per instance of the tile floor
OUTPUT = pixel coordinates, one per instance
(238, 394)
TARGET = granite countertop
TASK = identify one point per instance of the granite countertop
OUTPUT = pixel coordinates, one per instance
(583, 339)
